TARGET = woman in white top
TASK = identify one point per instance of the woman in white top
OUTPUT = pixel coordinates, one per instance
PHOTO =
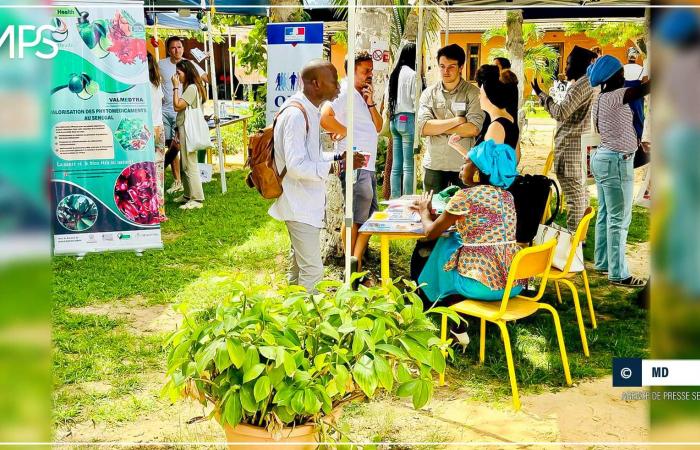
(158, 131)
(193, 96)
(401, 103)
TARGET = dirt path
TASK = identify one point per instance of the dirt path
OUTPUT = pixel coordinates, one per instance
(588, 412)
(592, 411)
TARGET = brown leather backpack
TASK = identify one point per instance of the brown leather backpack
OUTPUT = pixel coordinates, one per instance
(263, 174)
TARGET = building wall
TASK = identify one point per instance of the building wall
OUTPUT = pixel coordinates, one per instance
(338, 52)
(550, 37)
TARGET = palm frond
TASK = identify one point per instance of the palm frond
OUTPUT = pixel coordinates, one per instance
(532, 33)
(571, 28)
(492, 33)
(540, 59)
(341, 9)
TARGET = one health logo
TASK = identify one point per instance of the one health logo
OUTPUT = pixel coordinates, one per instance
(294, 34)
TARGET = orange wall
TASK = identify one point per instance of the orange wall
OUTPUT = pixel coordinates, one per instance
(569, 42)
(338, 53)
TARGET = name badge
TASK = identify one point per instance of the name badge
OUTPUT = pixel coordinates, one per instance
(456, 106)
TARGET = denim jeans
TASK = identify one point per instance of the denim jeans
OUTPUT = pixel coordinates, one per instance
(614, 176)
(402, 166)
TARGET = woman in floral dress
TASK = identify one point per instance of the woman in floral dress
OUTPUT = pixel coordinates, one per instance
(473, 262)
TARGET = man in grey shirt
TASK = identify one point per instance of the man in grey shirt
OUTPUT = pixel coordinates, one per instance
(446, 108)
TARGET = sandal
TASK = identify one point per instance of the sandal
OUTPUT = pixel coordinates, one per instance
(632, 282)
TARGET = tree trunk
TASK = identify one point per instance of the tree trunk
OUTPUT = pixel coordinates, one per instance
(515, 45)
(283, 10)
(372, 23)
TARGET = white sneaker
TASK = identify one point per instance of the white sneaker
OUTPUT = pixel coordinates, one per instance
(175, 187)
(181, 199)
(192, 204)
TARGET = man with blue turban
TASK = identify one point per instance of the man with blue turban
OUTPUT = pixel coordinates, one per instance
(573, 119)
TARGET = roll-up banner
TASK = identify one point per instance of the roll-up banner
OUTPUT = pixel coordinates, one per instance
(103, 183)
(289, 47)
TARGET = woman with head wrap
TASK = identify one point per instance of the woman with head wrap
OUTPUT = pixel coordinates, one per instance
(473, 262)
(612, 167)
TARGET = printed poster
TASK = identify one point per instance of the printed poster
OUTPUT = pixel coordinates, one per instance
(103, 183)
(289, 47)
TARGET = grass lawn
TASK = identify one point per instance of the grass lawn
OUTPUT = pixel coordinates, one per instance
(107, 371)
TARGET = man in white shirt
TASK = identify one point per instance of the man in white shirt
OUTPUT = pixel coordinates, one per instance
(175, 47)
(298, 152)
(634, 71)
(367, 125)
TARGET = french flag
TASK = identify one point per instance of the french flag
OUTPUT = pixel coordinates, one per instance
(294, 34)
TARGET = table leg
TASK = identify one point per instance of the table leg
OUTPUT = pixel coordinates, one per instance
(384, 257)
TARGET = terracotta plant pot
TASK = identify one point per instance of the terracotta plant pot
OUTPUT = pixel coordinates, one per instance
(305, 436)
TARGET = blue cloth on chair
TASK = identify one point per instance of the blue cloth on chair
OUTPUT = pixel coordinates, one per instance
(441, 283)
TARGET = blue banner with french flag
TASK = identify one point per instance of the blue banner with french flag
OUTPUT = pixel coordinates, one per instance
(289, 47)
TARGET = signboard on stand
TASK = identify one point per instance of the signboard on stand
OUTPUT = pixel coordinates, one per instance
(289, 47)
(103, 182)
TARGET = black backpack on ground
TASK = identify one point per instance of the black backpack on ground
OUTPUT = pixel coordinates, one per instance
(530, 195)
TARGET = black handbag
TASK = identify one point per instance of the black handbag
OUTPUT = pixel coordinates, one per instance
(641, 158)
(531, 195)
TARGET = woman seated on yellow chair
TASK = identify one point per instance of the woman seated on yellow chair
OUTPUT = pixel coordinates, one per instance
(474, 261)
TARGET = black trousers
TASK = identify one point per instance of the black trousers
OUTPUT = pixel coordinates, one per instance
(437, 180)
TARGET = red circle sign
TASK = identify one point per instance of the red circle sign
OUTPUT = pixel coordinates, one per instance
(378, 55)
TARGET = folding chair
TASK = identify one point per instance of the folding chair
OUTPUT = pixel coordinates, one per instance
(564, 276)
(530, 262)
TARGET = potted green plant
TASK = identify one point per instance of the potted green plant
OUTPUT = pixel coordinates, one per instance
(279, 365)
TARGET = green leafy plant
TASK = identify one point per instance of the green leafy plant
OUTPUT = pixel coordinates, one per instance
(283, 358)
(538, 57)
(617, 34)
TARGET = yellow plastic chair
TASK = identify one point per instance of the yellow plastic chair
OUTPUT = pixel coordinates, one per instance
(546, 169)
(548, 164)
(530, 262)
(564, 276)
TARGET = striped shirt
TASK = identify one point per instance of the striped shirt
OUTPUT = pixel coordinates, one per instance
(615, 122)
(573, 119)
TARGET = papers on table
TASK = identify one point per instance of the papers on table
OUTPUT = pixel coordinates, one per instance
(396, 218)
(385, 226)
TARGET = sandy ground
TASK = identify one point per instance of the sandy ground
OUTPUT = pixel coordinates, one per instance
(591, 411)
